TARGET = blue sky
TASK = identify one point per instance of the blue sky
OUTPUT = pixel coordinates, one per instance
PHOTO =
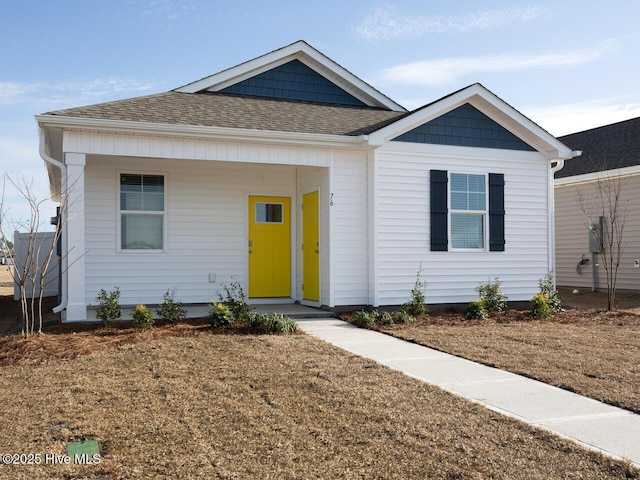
(569, 65)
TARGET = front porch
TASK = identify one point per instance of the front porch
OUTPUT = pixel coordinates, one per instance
(214, 229)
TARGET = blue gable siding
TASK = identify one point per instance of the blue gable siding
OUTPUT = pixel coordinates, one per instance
(466, 126)
(294, 81)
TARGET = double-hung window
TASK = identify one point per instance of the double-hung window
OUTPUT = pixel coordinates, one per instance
(468, 195)
(142, 212)
(467, 211)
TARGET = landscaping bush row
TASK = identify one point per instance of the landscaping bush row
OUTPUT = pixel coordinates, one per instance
(231, 310)
(544, 304)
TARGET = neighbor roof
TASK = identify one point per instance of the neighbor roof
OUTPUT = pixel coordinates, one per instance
(604, 148)
(240, 111)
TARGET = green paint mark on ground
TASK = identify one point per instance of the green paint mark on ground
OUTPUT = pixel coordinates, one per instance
(87, 451)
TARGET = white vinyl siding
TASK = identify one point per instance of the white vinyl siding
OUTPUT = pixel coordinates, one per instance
(206, 228)
(403, 224)
(140, 146)
(350, 236)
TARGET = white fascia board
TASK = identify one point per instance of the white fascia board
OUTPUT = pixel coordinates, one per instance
(308, 55)
(490, 105)
(264, 62)
(514, 121)
(594, 176)
(202, 132)
(349, 81)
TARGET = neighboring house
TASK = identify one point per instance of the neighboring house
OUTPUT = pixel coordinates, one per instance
(293, 177)
(609, 152)
(30, 254)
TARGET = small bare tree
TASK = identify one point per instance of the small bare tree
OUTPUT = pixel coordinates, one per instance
(605, 201)
(30, 271)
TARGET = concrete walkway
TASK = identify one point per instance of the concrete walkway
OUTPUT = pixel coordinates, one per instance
(595, 425)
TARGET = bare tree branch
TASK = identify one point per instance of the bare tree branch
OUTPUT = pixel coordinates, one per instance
(605, 201)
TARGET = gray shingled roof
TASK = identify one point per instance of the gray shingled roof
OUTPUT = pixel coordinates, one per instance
(604, 148)
(237, 111)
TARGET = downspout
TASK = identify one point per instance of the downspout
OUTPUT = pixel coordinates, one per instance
(552, 210)
(63, 170)
(551, 219)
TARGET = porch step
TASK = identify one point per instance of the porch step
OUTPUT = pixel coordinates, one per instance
(294, 310)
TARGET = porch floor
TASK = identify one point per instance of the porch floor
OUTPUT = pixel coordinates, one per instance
(292, 310)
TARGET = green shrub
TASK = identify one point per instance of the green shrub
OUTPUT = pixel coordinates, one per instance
(491, 296)
(417, 305)
(171, 310)
(547, 287)
(368, 319)
(272, 323)
(220, 315)
(384, 318)
(364, 318)
(475, 311)
(142, 317)
(108, 309)
(402, 317)
(540, 305)
(235, 298)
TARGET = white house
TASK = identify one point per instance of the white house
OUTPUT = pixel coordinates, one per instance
(295, 178)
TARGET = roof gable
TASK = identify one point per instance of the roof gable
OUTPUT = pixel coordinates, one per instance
(464, 126)
(311, 58)
(491, 106)
(294, 81)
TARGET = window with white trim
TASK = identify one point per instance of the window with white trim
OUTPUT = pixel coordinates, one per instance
(468, 200)
(142, 210)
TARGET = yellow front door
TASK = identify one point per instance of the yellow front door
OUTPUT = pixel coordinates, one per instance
(269, 247)
(310, 247)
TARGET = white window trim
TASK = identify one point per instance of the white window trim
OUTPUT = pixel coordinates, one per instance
(119, 213)
(484, 213)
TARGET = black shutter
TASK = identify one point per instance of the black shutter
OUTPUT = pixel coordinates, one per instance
(439, 211)
(496, 212)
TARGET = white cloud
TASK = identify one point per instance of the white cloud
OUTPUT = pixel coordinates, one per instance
(10, 92)
(168, 9)
(570, 118)
(69, 93)
(449, 70)
(384, 23)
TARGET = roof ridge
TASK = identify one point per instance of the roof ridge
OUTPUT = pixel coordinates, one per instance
(601, 127)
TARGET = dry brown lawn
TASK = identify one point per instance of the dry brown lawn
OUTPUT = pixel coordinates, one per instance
(205, 405)
(585, 350)
(186, 401)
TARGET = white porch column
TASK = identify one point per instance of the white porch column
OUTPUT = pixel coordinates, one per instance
(76, 306)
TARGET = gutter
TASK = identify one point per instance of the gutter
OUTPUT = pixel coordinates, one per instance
(63, 169)
(199, 132)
